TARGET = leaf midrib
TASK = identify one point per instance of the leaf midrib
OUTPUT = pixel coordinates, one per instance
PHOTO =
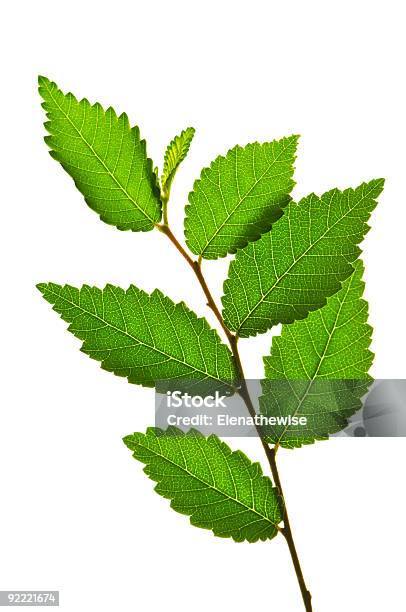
(322, 357)
(244, 197)
(209, 486)
(108, 171)
(139, 342)
(277, 282)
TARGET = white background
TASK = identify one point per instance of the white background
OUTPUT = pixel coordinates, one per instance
(77, 513)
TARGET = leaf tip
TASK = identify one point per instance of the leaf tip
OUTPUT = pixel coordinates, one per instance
(129, 441)
(380, 182)
(294, 137)
(44, 85)
(42, 80)
(41, 287)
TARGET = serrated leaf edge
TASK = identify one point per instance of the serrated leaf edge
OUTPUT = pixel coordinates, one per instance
(44, 82)
(154, 431)
(228, 155)
(377, 183)
(180, 306)
(276, 340)
(185, 139)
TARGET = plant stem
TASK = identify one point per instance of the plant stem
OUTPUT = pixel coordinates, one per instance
(271, 456)
(195, 265)
(244, 393)
(165, 199)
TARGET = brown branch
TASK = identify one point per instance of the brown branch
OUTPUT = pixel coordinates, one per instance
(196, 267)
(244, 392)
(271, 456)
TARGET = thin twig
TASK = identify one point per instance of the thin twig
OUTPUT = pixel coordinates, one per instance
(271, 456)
(196, 267)
(244, 393)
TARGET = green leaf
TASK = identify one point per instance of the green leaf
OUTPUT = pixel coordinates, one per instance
(146, 338)
(174, 155)
(325, 360)
(239, 197)
(219, 489)
(291, 270)
(105, 157)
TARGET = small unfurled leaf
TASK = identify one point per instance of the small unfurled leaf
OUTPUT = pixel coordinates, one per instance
(219, 489)
(324, 360)
(239, 197)
(174, 155)
(292, 269)
(146, 338)
(105, 157)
